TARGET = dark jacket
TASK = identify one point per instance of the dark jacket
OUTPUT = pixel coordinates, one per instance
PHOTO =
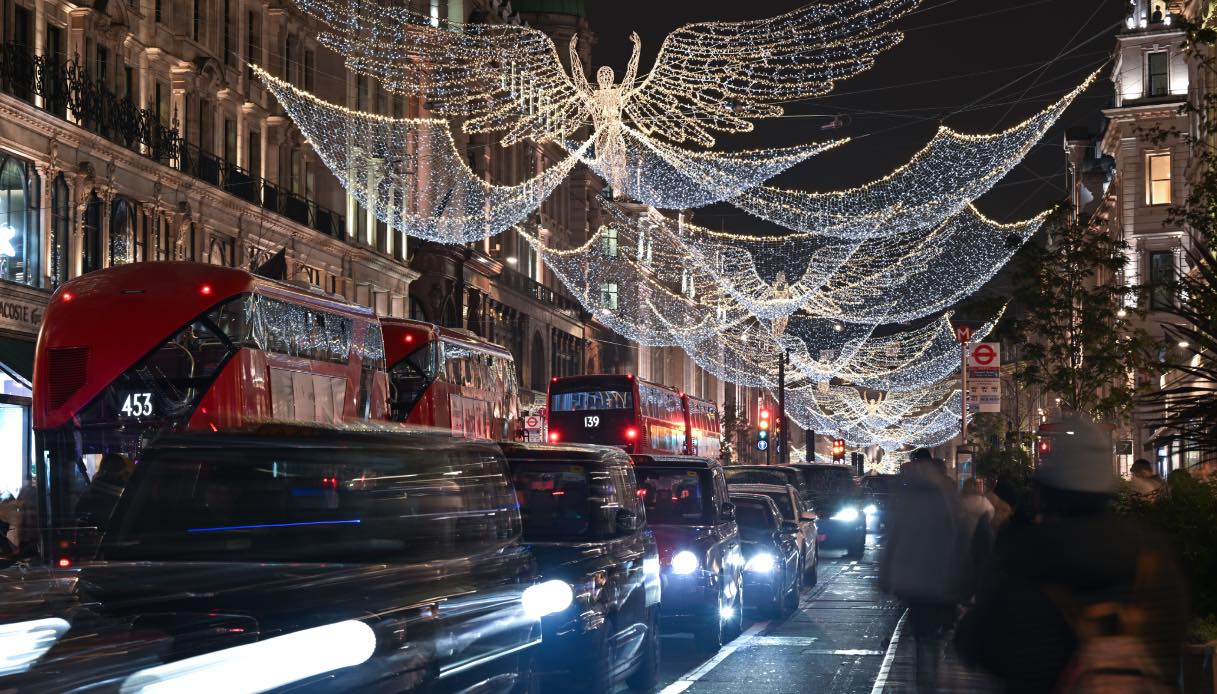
(1041, 572)
(927, 551)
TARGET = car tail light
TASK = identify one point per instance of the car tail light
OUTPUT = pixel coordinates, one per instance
(631, 433)
(553, 437)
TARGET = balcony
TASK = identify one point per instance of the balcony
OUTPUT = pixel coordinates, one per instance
(67, 92)
(535, 290)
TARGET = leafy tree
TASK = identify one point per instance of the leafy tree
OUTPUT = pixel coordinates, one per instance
(1074, 333)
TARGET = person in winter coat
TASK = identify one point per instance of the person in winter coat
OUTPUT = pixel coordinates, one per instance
(925, 562)
(1144, 481)
(1079, 599)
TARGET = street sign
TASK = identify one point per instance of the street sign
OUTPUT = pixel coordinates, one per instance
(984, 377)
(762, 445)
(963, 333)
(532, 422)
(985, 354)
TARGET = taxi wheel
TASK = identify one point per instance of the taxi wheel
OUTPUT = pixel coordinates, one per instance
(790, 598)
(714, 633)
(857, 548)
(735, 626)
(646, 677)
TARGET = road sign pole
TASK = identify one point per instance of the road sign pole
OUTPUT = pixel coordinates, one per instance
(963, 429)
(781, 420)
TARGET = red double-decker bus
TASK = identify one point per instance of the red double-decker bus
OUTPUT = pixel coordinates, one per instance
(131, 351)
(705, 432)
(451, 379)
(618, 410)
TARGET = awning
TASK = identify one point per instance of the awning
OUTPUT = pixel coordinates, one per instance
(17, 359)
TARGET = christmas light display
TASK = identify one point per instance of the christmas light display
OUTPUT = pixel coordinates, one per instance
(938, 182)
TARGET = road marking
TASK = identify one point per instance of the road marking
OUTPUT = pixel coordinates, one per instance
(686, 680)
(803, 641)
(886, 668)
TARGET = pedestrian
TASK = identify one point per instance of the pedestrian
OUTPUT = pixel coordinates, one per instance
(1079, 599)
(924, 562)
(1145, 481)
(975, 506)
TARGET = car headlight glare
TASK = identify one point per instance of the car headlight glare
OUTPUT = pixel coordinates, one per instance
(761, 563)
(870, 509)
(23, 643)
(849, 514)
(684, 562)
(547, 598)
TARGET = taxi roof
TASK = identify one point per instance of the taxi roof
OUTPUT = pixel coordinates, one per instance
(565, 452)
(685, 461)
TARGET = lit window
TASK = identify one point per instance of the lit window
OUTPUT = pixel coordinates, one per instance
(608, 295)
(610, 243)
(1158, 167)
(1157, 71)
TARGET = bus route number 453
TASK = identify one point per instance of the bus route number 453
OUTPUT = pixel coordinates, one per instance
(136, 405)
(591, 422)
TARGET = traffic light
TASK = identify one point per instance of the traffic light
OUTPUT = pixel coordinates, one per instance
(838, 449)
(763, 425)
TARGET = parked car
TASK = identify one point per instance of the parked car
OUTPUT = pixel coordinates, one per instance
(838, 503)
(797, 520)
(587, 527)
(877, 492)
(688, 509)
(292, 557)
(768, 474)
(772, 566)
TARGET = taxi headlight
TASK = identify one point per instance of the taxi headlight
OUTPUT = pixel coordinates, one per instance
(547, 598)
(762, 563)
(684, 562)
(849, 514)
(23, 643)
(870, 509)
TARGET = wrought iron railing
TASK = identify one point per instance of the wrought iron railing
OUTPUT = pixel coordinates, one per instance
(529, 287)
(67, 92)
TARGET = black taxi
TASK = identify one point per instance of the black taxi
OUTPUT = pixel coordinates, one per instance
(690, 512)
(585, 523)
(305, 559)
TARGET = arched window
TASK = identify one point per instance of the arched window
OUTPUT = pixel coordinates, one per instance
(92, 233)
(220, 251)
(61, 230)
(537, 376)
(122, 231)
(20, 237)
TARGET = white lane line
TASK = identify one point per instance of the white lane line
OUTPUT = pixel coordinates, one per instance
(886, 668)
(686, 680)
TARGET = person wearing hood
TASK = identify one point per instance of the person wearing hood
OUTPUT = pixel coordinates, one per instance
(1079, 598)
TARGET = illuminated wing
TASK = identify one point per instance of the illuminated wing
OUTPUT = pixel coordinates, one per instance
(719, 76)
(498, 77)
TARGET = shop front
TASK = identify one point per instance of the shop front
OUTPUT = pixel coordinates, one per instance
(21, 310)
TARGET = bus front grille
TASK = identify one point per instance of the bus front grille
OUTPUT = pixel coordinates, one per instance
(66, 372)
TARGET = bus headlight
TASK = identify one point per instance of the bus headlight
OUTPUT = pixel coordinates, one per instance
(849, 514)
(684, 563)
(762, 563)
(547, 598)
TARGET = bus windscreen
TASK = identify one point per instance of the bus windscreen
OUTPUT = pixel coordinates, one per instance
(592, 399)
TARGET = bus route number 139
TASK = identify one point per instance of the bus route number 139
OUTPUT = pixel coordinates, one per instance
(591, 422)
(136, 405)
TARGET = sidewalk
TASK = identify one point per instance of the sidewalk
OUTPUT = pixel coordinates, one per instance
(898, 674)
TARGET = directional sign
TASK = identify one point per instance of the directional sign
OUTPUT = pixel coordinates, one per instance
(762, 445)
(963, 333)
(984, 377)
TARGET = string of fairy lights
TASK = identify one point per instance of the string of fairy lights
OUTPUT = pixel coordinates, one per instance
(827, 293)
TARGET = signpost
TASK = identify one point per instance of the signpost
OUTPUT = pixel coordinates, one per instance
(963, 333)
(984, 376)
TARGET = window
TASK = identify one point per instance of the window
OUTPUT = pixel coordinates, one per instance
(102, 67)
(610, 243)
(162, 103)
(1161, 280)
(196, 20)
(290, 58)
(20, 237)
(230, 57)
(1157, 72)
(230, 141)
(608, 295)
(206, 127)
(1158, 174)
(122, 231)
(91, 253)
(158, 11)
(220, 252)
(310, 67)
(253, 44)
(61, 230)
(253, 160)
(129, 83)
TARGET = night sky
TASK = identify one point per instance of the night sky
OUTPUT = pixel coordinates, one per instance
(975, 65)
